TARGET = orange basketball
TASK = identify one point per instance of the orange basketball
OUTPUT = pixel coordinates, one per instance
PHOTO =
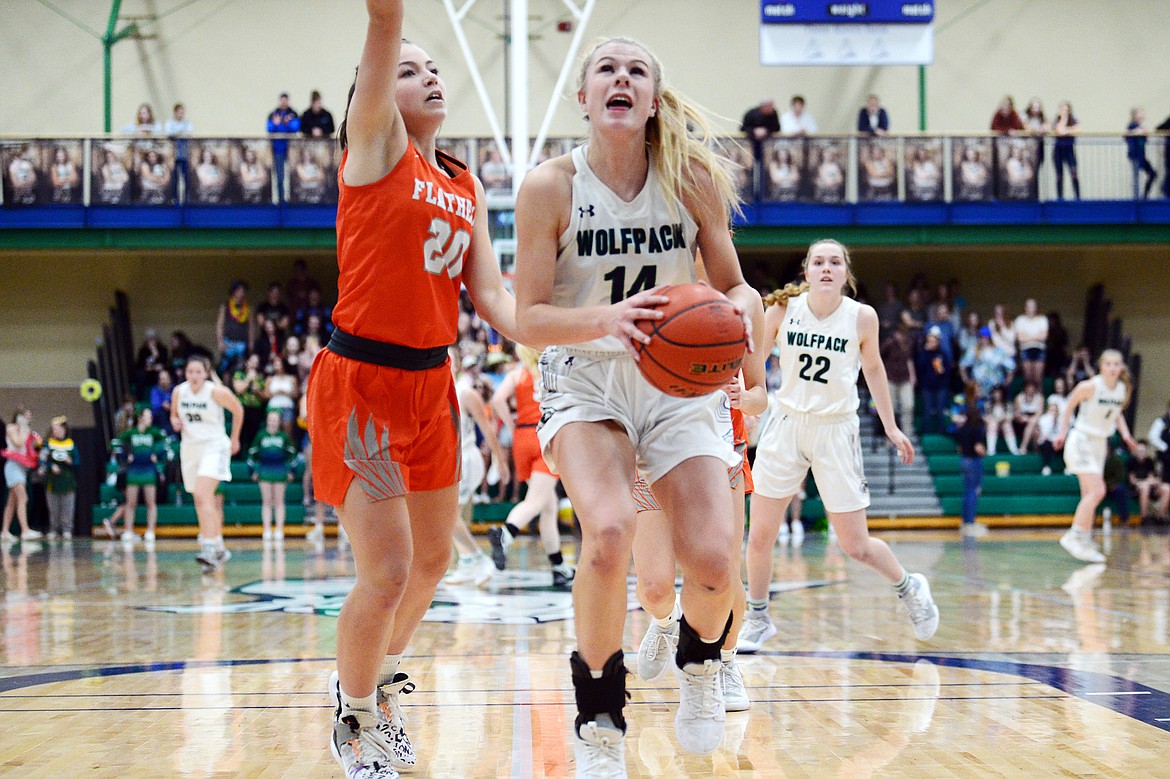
(697, 345)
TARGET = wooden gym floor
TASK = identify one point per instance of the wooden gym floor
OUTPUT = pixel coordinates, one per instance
(124, 663)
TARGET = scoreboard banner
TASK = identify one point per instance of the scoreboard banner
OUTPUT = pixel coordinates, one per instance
(818, 32)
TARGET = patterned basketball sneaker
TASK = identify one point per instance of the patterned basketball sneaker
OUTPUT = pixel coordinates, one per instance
(756, 629)
(698, 724)
(657, 647)
(355, 751)
(920, 605)
(391, 729)
(477, 570)
(211, 558)
(500, 540)
(735, 697)
(600, 750)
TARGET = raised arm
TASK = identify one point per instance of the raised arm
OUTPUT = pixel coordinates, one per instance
(375, 132)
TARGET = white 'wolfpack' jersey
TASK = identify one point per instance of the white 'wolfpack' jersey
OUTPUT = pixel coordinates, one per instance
(202, 416)
(612, 249)
(819, 358)
(1098, 415)
(466, 421)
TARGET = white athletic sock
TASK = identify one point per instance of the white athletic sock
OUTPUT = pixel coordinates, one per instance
(903, 584)
(672, 617)
(757, 605)
(727, 655)
(389, 668)
(366, 704)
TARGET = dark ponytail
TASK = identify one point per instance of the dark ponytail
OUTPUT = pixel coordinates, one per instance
(341, 137)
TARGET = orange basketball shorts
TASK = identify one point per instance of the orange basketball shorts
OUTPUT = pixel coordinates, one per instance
(395, 431)
(526, 454)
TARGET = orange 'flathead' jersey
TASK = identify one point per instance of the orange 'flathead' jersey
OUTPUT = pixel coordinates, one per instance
(401, 242)
(527, 404)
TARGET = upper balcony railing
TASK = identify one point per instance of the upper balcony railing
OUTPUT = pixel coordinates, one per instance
(112, 181)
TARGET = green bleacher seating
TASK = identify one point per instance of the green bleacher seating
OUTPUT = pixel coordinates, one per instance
(1026, 484)
(949, 464)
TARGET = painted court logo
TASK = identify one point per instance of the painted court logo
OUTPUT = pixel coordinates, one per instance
(511, 598)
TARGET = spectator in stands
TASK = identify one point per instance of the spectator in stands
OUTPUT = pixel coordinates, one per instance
(988, 365)
(1159, 439)
(496, 177)
(144, 123)
(1005, 120)
(889, 311)
(1031, 331)
(915, 315)
(235, 326)
(759, 123)
(970, 438)
(181, 349)
(1046, 429)
(124, 416)
(314, 307)
(179, 128)
(1136, 136)
(897, 357)
(1028, 408)
(160, 401)
(282, 120)
(152, 360)
(294, 359)
(274, 308)
(1164, 127)
(999, 416)
(797, 121)
(1143, 478)
(1081, 367)
(940, 323)
(968, 335)
(316, 122)
(1056, 357)
(283, 391)
(1059, 394)
(1065, 127)
(314, 337)
(296, 291)
(248, 384)
(1036, 124)
(872, 119)
(1003, 334)
(140, 449)
(268, 344)
(934, 374)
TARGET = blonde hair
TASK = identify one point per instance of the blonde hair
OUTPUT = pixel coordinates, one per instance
(528, 357)
(679, 136)
(1124, 377)
(789, 291)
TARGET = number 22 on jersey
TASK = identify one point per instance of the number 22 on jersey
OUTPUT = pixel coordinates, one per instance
(443, 252)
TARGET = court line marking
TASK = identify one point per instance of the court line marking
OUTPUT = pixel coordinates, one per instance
(1123, 692)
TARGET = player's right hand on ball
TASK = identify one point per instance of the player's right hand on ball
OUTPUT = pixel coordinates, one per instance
(621, 319)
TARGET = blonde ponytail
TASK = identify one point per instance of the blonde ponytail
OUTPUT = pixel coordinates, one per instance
(781, 296)
(528, 357)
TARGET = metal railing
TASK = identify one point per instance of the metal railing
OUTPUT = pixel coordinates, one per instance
(826, 169)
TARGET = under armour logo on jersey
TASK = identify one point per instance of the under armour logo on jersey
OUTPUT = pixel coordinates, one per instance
(585, 211)
(794, 322)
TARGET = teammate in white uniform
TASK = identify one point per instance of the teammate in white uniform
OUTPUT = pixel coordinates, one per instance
(1100, 403)
(825, 340)
(473, 566)
(197, 407)
(598, 231)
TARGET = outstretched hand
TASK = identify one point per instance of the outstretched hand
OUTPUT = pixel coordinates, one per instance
(621, 319)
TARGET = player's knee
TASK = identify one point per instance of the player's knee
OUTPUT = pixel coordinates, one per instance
(432, 561)
(856, 547)
(710, 568)
(609, 540)
(382, 588)
(655, 589)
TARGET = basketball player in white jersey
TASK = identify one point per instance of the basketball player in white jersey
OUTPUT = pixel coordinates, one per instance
(197, 407)
(473, 566)
(599, 230)
(825, 340)
(1099, 403)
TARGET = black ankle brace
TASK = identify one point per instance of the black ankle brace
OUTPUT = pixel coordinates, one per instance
(606, 695)
(692, 649)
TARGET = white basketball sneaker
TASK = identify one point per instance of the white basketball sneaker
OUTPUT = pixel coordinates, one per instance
(756, 629)
(921, 608)
(698, 724)
(657, 647)
(600, 750)
(735, 697)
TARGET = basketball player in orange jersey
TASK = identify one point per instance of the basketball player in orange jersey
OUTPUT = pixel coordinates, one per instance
(646, 172)
(523, 384)
(382, 410)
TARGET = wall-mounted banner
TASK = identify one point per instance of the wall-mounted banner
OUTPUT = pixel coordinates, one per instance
(825, 12)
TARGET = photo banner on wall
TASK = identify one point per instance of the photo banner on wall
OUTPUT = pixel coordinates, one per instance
(923, 161)
(42, 172)
(153, 175)
(877, 171)
(110, 164)
(210, 178)
(971, 169)
(1017, 160)
(783, 169)
(817, 32)
(827, 170)
(312, 166)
